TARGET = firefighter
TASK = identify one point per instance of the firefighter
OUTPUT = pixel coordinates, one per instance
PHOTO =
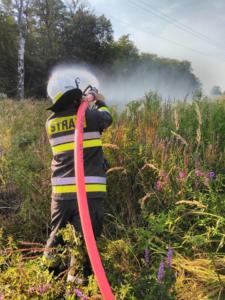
(60, 126)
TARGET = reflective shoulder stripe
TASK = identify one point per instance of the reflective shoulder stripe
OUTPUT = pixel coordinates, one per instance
(104, 108)
(70, 138)
(71, 180)
(70, 146)
(57, 96)
(63, 189)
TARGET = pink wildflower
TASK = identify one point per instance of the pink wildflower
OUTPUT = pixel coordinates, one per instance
(158, 185)
(31, 291)
(162, 174)
(199, 173)
(182, 175)
(43, 288)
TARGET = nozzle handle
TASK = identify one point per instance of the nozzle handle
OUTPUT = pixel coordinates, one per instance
(90, 88)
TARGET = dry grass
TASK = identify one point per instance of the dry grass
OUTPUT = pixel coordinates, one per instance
(200, 279)
(191, 203)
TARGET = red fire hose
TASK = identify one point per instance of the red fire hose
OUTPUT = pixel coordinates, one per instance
(83, 205)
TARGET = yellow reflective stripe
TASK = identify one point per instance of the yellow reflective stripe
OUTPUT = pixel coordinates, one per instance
(57, 96)
(70, 146)
(62, 124)
(104, 108)
(63, 189)
(92, 143)
(63, 148)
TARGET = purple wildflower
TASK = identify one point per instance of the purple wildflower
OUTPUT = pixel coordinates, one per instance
(79, 294)
(43, 288)
(2, 296)
(146, 255)
(161, 272)
(169, 257)
(158, 185)
(211, 175)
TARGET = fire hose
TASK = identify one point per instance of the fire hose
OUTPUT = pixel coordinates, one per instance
(86, 224)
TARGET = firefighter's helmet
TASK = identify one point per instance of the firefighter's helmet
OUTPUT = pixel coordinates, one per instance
(66, 84)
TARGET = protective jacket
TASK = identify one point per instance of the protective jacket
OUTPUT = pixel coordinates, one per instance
(60, 130)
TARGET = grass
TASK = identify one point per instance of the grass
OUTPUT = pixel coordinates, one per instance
(165, 190)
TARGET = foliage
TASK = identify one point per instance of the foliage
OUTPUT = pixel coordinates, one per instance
(25, 162)
(65, 33)
(8, 48)
(216, 91)
(166, 191)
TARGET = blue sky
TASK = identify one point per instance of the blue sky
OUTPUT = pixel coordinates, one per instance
(183, 29)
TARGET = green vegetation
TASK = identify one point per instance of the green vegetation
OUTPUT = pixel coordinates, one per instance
(165, 199)
(60, 33)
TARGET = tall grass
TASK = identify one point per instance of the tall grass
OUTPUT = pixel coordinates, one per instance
(165, 189)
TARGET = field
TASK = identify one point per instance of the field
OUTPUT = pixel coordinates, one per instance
(164, 231)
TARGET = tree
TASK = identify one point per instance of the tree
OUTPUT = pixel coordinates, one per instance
(21, 6)
(8, 54)
(215, 91)
(18, 10)
(44, 43)
(86, 37)
(125, 55)
(57, 32)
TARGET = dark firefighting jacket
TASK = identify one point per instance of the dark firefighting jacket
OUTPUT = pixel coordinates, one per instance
(60, 129)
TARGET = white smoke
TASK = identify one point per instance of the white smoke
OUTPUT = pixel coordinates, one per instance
(121, 89)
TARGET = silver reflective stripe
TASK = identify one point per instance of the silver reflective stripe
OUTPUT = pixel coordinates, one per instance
(70, 138)
(62, 140)
(92, 135)
(71, 180)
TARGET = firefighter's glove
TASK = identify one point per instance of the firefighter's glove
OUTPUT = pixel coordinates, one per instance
(97, 96)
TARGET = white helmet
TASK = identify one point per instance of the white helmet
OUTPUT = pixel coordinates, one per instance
(63, 80)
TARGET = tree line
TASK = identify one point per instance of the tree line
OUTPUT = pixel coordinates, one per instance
(38, 34)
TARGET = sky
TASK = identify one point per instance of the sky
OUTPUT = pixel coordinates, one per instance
(190, 30)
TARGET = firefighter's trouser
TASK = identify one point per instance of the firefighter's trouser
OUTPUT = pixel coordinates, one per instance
(66, 211)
